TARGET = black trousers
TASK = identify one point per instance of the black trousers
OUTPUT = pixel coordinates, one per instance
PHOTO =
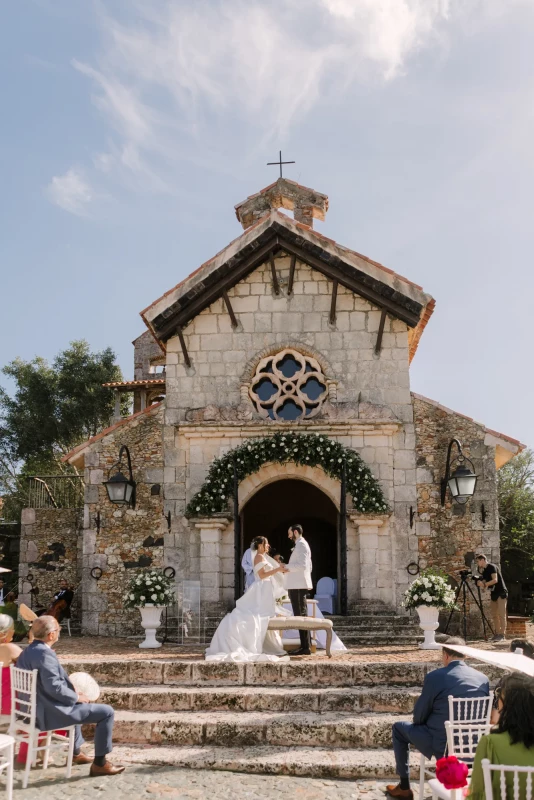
(300, 609)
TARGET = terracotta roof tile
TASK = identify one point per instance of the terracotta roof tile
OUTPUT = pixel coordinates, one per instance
(150, 382)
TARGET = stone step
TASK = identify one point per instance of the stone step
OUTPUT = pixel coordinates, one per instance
(309, 672)
(371, 619)
(367, 641)
(382, 637)
(142, 672)
(258, 698)
(229, 729)
(314, 762)
(373, 625)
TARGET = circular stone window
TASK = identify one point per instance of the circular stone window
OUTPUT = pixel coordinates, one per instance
(288, 386)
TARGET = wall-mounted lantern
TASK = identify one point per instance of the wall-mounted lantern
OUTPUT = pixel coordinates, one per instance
(120, 489)
(462, 482)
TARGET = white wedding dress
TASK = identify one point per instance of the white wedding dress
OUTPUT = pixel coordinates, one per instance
(242, 635)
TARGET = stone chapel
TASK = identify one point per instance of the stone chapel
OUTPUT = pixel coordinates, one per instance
(284, 348)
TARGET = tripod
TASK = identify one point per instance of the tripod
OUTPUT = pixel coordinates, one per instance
(463, 588)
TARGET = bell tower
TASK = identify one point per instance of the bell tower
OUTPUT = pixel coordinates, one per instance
(306, 204)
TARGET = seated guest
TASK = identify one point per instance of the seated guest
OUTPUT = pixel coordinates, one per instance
(58, 704)
(511, 741)
(9, 654)
(427, 732)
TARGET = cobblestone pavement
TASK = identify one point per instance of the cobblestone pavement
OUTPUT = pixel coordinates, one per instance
(156, 783)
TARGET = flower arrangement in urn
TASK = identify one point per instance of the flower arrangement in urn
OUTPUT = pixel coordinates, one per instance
(150, 592)
(429, 593)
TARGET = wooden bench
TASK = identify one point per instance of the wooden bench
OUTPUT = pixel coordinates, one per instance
(304, 624)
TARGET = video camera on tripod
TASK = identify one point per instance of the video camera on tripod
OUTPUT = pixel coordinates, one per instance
(463, 588)
(467, 573)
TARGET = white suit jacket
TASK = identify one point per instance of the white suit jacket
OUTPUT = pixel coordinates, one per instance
(248, 566)
(299, 566)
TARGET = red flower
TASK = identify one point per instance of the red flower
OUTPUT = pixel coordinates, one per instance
(451, 772)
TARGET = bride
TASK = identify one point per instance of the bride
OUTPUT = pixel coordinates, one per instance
(242, 635)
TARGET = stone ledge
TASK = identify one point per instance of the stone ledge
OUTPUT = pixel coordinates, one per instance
(313, 762)
(236, 729)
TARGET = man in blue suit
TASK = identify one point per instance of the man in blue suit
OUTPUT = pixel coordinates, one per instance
(427, 732)
(58, 704)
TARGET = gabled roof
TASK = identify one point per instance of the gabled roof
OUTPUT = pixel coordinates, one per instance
(506, 447)
(384, 288)
(76, 456)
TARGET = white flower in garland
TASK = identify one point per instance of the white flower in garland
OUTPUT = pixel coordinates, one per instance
(302, 448)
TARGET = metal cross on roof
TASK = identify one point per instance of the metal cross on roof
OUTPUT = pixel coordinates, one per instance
(279, 162)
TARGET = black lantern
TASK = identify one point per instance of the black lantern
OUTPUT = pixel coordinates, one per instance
(120, 489)
(462, 482)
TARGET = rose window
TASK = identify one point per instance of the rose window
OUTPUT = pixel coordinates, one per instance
(288, 386)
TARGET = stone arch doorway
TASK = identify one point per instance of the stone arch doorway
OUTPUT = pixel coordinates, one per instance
(278, 504)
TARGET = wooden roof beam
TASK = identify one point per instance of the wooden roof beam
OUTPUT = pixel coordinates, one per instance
(291, 274)
(334, 273)
(230, 310)
(184, 347)
(380, 334)
(276, 285)
(205, 298)
(332, 318)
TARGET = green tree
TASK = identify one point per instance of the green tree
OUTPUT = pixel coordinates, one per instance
(54, 408)
(515, 484)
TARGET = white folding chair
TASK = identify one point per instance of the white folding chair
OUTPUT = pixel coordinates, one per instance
(7, 755)
(463, 739)
(462, 742)
(68, 625)
(475, 710)
(439, 791)
(23, 728)
(488, 768)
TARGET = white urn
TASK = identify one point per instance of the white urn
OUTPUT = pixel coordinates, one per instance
(429, 623)
(150, 621)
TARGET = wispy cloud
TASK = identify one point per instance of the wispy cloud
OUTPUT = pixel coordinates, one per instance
(71, 192)
(172, 74)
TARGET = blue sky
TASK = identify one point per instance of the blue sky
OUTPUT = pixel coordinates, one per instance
(131, 129)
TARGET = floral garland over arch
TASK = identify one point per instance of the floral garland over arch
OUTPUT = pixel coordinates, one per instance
(312, 450)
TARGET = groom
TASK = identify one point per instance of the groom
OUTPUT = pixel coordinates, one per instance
(298, 581)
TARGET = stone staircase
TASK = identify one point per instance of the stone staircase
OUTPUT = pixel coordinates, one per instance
(363, 629)
(315, 718)
(371, 624)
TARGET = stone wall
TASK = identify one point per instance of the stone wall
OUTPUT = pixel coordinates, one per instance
(128, 539)
(223, 361)
(219, 354)
(49, 548)
(446, 534)
(146, 353)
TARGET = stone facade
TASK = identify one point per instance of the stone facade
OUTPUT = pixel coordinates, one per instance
(50, 550)
(148, 357)
(128, 539)
(360, 327)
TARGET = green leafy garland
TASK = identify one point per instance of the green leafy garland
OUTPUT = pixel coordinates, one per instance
(310, 450)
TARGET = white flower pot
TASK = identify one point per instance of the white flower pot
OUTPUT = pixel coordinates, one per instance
(150, 620)
(429, 622)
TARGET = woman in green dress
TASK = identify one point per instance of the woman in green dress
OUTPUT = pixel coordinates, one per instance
(512, 739)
